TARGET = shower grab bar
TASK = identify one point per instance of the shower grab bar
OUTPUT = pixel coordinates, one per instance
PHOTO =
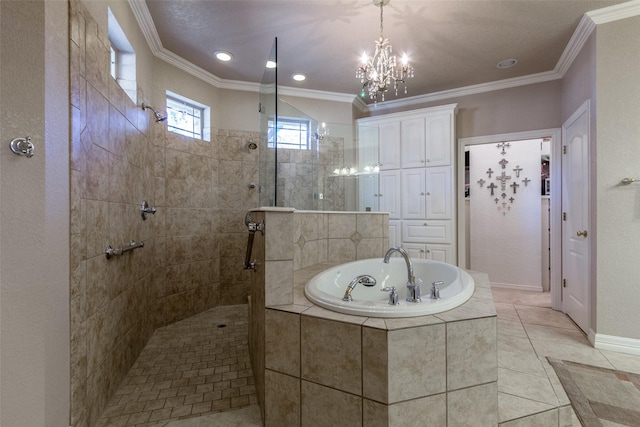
(110, 252)
(253, 227)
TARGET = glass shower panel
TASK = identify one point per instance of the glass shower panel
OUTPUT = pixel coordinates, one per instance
(268, 109)
(298, 158)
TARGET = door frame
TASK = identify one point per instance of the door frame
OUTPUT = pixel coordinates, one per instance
(555, 134)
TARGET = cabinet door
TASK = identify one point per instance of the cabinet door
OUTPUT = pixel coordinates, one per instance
(439, 142)
(441, 253)
(389, 145)
(412, 143)
(367, 146)
(413, 193)
(368, 193)
(394, 233)
(427, 231)
(389, 195)
(415, 250)
(439, 192)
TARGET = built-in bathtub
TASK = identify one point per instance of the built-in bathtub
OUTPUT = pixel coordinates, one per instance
(327, 289)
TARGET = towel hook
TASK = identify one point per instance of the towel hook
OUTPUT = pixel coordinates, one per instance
(22, 147)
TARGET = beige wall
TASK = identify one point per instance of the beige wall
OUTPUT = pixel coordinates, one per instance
(34, 220)
(618, 151)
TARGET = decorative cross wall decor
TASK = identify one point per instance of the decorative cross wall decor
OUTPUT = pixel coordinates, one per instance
(503, 178)
(503, 146)
(514, 186)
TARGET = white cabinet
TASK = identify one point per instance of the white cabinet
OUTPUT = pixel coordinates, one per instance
(368, 188)
(439, 193)
(412, 143)
(413, 193)
(429, 251)
(438, 140)
(417, 180)
(389, 145)
(389, 195)
(395, 233)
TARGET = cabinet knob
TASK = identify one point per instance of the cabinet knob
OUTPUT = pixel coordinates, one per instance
(379, 195)
(428, 194)
(425, 223)
(421, 250)
(422, 194)
(428, 251)
(428, 160)
(422, 161)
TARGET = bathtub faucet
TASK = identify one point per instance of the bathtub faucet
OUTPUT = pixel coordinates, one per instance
(413, 288)
(363, 279)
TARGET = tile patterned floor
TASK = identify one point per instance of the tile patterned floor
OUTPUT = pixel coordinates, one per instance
(529, 392)
(191, 368)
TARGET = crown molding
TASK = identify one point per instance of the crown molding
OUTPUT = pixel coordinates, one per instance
(464, 91)
(586, 26)
(615, 12)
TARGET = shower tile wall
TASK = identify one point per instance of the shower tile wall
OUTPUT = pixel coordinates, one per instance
(194, 244)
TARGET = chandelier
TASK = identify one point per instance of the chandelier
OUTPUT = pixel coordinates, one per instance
(379, 72)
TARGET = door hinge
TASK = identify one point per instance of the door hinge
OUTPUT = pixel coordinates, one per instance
(564, 283)
(564, 149)
(564, 216)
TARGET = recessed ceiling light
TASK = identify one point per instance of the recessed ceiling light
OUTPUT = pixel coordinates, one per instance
(507, 63)
(299, 77)
(223, 56)
(271, 64)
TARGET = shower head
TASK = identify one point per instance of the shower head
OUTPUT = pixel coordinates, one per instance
(159, 116)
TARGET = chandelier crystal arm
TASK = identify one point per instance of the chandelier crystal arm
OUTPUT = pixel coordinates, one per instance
(378, 72)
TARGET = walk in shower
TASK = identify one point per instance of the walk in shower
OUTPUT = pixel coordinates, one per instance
(310, 164)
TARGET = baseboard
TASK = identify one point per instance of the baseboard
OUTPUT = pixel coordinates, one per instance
(619, 344)
(516, 286)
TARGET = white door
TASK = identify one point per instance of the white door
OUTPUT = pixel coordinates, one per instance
(575, 204)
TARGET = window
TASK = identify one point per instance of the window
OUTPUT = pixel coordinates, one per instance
(123, 58)
(292, 133)
(187, 117)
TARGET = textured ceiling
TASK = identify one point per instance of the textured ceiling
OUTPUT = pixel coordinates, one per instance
(451, 44)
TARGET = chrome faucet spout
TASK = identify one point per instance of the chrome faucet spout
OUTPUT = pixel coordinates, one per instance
(413, 288)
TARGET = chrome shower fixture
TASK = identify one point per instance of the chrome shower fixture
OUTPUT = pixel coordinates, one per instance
(159, 117)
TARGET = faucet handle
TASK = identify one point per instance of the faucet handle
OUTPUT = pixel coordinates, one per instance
(393, 295)
(435, 291)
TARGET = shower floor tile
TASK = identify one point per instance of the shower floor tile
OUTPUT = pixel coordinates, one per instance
(194, 367)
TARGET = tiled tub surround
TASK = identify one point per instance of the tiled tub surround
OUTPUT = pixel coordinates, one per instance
(317, 367)
(294, 240)
(327, 368)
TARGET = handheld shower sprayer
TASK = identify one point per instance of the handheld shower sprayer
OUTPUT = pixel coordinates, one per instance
(159, 116)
